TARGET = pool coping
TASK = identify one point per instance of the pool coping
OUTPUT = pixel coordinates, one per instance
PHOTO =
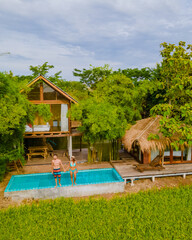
(70, 191)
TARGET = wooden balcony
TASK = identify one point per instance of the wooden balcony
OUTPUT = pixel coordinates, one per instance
(47, 131)
(75, 124)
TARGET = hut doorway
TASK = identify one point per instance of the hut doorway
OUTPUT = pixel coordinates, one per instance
(136, 152)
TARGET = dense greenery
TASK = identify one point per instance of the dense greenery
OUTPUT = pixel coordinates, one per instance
(114, 91)
(176, 81)
(100, 121)
(158, 214)
(93, 75)
(16, 111)
(119, 91)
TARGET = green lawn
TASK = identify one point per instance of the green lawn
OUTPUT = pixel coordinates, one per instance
(158, 214)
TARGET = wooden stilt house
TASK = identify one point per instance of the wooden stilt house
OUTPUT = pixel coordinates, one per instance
(44, 91)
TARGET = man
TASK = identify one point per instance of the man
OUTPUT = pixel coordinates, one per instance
(56, 169)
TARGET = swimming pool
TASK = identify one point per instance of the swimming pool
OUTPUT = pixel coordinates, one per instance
(41, 185)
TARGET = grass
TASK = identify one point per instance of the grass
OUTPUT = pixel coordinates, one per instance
(157, 214)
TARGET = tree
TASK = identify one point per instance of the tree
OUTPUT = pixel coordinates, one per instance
(120, 91)
(147, 82)
(40, 69)
(93, 75)
(15, 110)
(43, 70)
(150, 91)
(176, 72)
(100, 121)
(136, 74)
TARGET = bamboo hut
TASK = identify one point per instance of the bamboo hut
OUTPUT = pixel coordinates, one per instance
(136, 141)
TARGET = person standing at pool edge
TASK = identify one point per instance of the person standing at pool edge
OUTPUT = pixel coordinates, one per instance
(56, 169)
(73, 169)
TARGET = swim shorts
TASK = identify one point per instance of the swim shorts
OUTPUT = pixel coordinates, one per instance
(57, 172)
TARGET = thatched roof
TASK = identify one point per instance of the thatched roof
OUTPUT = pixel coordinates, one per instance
(140, 132)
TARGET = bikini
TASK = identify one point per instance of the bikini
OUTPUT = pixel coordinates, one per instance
(73, 165)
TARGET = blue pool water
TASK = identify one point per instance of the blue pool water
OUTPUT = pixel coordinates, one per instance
(46, 180)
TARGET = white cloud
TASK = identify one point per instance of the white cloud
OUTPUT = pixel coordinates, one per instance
(77, 33)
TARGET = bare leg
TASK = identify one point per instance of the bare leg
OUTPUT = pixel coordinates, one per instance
(55, 182)
(75, 177)
(71, 177)
(60, 182)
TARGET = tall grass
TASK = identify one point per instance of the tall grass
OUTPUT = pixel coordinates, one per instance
(158, 214)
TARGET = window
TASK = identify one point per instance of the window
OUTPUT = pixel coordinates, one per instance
(48, 92)
(60, 96)
(34, 94)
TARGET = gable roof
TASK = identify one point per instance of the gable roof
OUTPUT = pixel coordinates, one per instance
(53, 86)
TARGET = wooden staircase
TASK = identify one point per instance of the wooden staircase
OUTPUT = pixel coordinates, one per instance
(15, 166)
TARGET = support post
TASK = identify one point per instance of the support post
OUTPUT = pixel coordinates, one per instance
(125, 181)
(80, 142)
(69, 146)
(181, 155)
(184, 176)
(162, 159)
(41, 92)
(191, 154)
(171, 155)
(153, 178)
(132, 183)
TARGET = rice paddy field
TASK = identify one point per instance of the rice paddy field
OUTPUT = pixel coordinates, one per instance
(156, 214)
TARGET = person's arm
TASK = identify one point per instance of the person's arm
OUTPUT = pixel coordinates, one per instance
(52, 166)
(67, 168)
(76, 167)
(62, 166)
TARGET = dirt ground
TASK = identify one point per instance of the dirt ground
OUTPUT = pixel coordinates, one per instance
(139, 185)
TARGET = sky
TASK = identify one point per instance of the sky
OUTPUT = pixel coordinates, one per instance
(76, 33)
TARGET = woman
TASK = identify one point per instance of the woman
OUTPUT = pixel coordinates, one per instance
(73, 169)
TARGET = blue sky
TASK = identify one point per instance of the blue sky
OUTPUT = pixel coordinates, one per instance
(75, 33)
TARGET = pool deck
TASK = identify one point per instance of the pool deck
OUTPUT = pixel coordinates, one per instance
(128, 171)
(40, 165)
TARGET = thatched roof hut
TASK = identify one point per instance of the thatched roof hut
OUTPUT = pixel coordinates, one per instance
(140, 132)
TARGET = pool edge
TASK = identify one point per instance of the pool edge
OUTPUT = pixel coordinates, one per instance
(67, 191)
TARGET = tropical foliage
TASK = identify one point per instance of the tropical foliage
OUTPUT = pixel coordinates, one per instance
(158, 214)
(93, 75)
(100, 121)
(176, 80)
(16, 111)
